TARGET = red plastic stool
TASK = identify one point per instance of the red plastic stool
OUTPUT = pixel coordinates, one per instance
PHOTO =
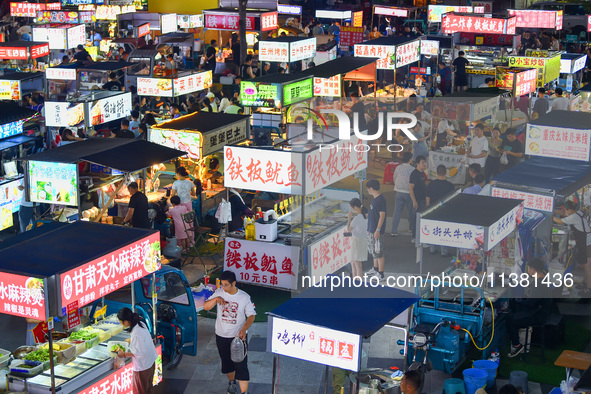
(389, 173)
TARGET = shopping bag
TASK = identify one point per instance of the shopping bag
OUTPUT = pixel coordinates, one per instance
(224, 212)
(504, 159)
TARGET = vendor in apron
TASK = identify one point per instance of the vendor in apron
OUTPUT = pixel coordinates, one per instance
(444, 128)
(580, 229)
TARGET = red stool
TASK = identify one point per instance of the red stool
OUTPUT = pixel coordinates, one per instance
(389, 173)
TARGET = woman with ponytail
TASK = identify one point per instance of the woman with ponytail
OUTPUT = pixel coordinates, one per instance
(183, 188)
(357, 226)
(141, 350)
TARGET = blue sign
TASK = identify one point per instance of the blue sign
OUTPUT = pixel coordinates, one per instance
(289, 9)
(98, 169)
(11, 129)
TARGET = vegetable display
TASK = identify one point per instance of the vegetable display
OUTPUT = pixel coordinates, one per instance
(41, 354)
(116, 348)
(83, 335)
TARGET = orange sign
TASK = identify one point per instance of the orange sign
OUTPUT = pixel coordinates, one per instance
(358, 19)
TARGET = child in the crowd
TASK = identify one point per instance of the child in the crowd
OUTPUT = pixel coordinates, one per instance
(176, 212)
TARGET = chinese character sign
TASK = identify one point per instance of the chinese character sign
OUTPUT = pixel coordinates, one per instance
(168, 23)
(559, 19)
(329, 87)
(232, 134)
(289, 9)
(457, 235)
(453, 23)
(407, 53)
(192, 83)
(572, 144)
(588, 23)
(10, 130)
(143, 30)
(330, 254)
(485, 108)
(57, 17)
(436, 12)
(539, 202)
(316, 344)
(39, 51)
(350, 36)
(10, 90)
(268, 21)
(15, 53)
(187, 141)
(108, 273)
(23, 296)
(273, 51)
(303, 49)
(227, 21)
(260, 94)
(385, 53)
(196, 21)
(26, 9)
(154, 87)
(429, 47)
(358, 19)
(107, 12)
(534, 18)
(53, 183)
(486, 5)
(526, 82)
(456, 170)
(76, 36)
(265, 170)
(59, 114)
(275, 265)
(504, 226)
(298, 91)
(110, 108)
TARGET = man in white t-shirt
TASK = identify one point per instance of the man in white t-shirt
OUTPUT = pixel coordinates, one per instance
(235, 314)
(560, 102)
(478, 146)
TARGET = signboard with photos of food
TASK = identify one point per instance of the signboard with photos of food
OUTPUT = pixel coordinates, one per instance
(31, 300)
(53, 183)
(57, 17)
(187, 141)
(559, 142)
(260, 94)
(61, 114)
(10, 90)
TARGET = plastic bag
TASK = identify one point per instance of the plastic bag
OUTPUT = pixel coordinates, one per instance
(224, 212)
(504, 159)
(238, 350)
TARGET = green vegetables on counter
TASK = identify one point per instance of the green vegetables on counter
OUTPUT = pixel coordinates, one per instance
(83, 335)
(38, 355)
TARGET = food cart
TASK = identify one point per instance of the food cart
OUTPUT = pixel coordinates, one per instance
(321, 318)
(16, 86)
(462, 111)
(393, 53)
(94, 108)
(308, 236)
(70, 175)
(544, 184)
(181, 83)
(547, 61)
(288, 49)
(12, 147)
(24, 55)
(272, 93)
(200, 136)
(179, 43)
(476, 225)
(57, 288)
(571, 66)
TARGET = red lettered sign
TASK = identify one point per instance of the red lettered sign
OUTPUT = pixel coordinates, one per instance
(227, 22)
(350, 35)
(269, 21)
(26, 9)
(22, 296)
(453, 23)
(39, 332)
(99, 277)
(14, 53)
(143, 30)
(39, 51)
(526, 82)
(73, 318)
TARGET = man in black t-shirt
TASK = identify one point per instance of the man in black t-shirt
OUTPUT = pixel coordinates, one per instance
(460, 64)
(418, 191)
(359, 108)
(82, 55)
(113, 84)
(138, 208)
(210, 53)
(513, 148)
(124, 131)
(376, 228)
(436, 190)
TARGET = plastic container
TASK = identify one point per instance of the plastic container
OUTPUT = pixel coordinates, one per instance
(474, 379)
(5, 358)
(79, 345)
(110, 345)
(66, 354)
(491, 369)
(35, 368)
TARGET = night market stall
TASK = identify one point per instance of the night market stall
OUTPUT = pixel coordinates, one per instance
(584, 103)
(479, 227)
(458, 113)
(304, 233)
(92, 173)
(56, 281)
(24, 55)
(15, 86)
(547, 62)
(12, 146)
(201, 135)
(171, 86)
(571, 71)
(317, 326)
(288, 49)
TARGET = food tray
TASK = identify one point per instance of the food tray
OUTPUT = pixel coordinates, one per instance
(104, 333)
(92, 342)
(113, 328)
(17, 369)
(5, 358)
(80, 345)
(66, 353)
(110, 344)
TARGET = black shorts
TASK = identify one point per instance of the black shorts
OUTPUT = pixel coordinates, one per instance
(229, 366)
(461, 80)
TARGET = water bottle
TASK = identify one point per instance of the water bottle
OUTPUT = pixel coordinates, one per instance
(495, 356)
(237, 350)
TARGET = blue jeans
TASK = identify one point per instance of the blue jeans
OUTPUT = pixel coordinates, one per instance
(402, 199)
(444, 249)
(25, 215)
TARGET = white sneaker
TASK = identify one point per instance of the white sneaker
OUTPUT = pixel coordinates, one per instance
(372, 272)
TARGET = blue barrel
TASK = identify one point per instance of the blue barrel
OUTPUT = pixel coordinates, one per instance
(474, 379)
(491, 369)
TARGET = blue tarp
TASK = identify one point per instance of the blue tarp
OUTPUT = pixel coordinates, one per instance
(563, 176)
(53, 249)
(361, 311)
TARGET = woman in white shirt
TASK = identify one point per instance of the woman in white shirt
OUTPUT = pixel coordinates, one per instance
(141, 350)
(357, 226)
(183, 188)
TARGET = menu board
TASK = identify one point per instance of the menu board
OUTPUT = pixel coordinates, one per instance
(10, 193)
(453, 23)
(56, 37)
(58, 114)
(192, 83)
(260, 94)
(407, 53)
(107, 12)
(350, 36)
(66, 74)
(386, 54)
(196, 21)
(273, 51)
(298, 91)
(5, 214)
(143, 30)
(110, 108)
(429, 47)
(53, 183)
(154, 87)
(30, 9)
(559, 142)
(76, 36)
(542, 19)
(526, 82)
(168, 23)
(330, 87)
(11, 129)
(186, 141)
(10, 90)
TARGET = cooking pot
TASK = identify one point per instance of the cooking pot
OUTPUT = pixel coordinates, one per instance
(368, 378)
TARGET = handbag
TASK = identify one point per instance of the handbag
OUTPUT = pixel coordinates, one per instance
(504, 159)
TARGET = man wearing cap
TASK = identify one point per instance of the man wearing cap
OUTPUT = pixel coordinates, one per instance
(211, 97)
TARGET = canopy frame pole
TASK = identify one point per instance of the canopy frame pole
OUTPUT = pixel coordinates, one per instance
(326, 380)
(274, 379)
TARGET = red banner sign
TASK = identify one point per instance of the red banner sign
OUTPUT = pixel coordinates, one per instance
(143, 30)
(73, 318)
(534, 18)
(453, 23)
(588, 23)
(350, 35)
(22, 296)
(104, 275)
(39, 332)
(30, 9)
(526, 82)
(227, 22)
(13, 53)
(417, 70)
(39, 51)
(268, 21)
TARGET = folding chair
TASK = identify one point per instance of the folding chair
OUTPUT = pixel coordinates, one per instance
(202, 234)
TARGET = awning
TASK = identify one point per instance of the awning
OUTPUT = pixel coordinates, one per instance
(15, 141)
(340, 65)
(73, 152)
(357, 310)
(19, 76)
(278, 78)
(98, 66)
(565, 119)
(134, 156)
(560, 175)
(12, 112)
(201, 121)
(52, 249)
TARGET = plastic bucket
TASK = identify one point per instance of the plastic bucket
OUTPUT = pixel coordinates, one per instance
(490, 367)
(474, 379)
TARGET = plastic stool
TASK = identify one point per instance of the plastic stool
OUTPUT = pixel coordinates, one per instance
(454, 386)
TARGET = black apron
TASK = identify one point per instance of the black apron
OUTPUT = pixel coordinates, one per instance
(580, 241)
